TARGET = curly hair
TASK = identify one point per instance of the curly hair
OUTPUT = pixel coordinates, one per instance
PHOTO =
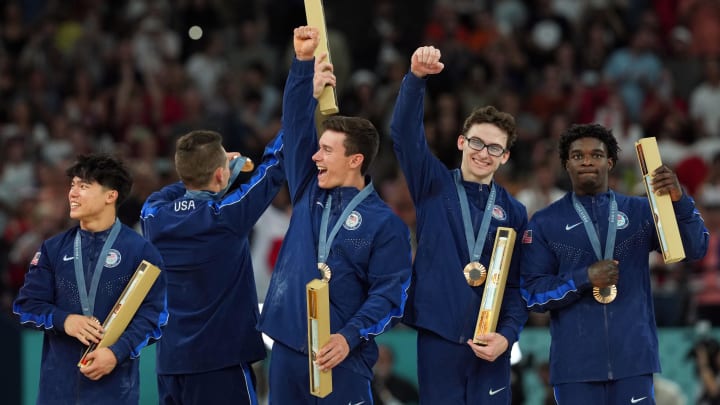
(597, 131)
(491, 115)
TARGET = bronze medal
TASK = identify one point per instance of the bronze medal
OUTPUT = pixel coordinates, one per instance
(475, 273)
(325, 272)
(605, 295)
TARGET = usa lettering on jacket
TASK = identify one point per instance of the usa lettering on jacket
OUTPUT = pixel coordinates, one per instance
(184, 205)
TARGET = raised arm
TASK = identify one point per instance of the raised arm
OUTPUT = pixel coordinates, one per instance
(407, 129)
(299, 107)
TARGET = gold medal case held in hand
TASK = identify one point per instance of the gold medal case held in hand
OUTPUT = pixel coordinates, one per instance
(475, 274)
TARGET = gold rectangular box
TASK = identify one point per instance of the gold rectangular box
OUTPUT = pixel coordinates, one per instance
(315, 14)
(125, 307)
(495, 283)
(661, 205)
(318, 310)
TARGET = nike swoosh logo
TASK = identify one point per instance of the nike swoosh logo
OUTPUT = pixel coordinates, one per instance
(359, 403)
(635, 401)
(569, 227)
(493, 392)
(67, 259)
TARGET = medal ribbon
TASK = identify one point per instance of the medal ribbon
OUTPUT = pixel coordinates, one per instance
(325, 239)
(590, 229)
(475, 245)
(88, 302)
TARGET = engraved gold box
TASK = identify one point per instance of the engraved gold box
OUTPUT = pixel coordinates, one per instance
(315, 15)
(125, 307)
(495, 283)
(666, 225)
(318, 311)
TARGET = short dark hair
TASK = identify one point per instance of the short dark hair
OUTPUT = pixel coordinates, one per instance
(360, 137)
(104, 169)
(597, 131)
(197, 155)
(491, 115)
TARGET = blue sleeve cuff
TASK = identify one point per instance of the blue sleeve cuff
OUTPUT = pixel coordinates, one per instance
(509, 334)
(581, 279)
(58, 322)
(351, 335)
(685, 206)
(303, 67)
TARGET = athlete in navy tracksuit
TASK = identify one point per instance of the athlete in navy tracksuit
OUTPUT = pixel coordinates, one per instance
(442, 305)
(369, 257)
(600, 353)
(51, 299)
(202, 233)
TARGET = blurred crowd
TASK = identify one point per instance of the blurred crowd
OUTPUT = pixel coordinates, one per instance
(130, 76)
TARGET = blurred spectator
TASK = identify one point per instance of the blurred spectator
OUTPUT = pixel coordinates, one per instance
(541, 189)
(671, 293)
(706, 354)
(633, 69)
(207, 65)
(388, 388)
(703, 19)
(685, 67)
(396, 194)
(704, 100)
(267, 237)
(667, 392)
(546, 29)
(153, 43)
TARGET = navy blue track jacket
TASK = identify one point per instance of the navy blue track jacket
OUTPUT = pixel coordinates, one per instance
(593, 341)
(50, 294)
(211, 286)
(440, 299)
(370, 256)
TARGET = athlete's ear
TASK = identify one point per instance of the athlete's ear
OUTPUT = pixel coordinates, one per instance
(111, 196)
(218, 175)
(357, 160)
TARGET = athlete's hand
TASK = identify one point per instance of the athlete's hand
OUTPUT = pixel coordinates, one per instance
(496, 344)
(323, 75)
(333, 352)
(664, 181)
(86, 329)
(604, 273)
(101, 362)
(426, 61)
(305, 40)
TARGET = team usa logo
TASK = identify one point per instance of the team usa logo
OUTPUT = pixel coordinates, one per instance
(622, 220)
(113, 259)
(499, 213)
(353, 221)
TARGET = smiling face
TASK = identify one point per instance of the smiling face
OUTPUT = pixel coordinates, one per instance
(91, 203)
(480, 166)
(588, 166)
(334, 168)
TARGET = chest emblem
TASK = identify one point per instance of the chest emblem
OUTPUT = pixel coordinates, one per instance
(622, 220)
(499, 213)
(353, 221)
(113, 259)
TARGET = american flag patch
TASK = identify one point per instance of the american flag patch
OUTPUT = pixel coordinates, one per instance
(35, 259)
(527, 237)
